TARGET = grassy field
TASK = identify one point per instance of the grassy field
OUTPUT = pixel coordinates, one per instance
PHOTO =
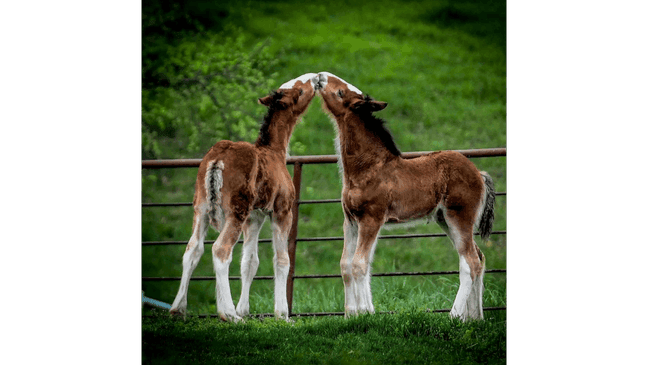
(441, 66)
(410, 337)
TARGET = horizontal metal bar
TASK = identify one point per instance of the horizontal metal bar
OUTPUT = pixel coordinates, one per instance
(171, 163)
(147, 205)
(321, 201)
(195, 162)
(419, 273)
(207, 242)
(393, 236)
(322, 276)
(199, 278)
(324, 314)
(300, 202)
(321, 314)
(316, 239)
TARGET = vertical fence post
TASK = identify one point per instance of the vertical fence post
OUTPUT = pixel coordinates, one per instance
(292, 239)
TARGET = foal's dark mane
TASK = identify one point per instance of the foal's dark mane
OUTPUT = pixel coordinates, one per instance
(264, 132)
(377, 126)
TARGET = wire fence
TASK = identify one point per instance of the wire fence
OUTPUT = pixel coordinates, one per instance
(298, 162)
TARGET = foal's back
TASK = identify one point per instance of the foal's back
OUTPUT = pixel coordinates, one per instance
(421, 184)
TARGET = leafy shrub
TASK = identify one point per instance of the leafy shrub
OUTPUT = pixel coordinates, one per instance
(201, 89)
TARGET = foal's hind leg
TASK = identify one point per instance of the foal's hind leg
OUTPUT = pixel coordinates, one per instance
(249, 259)
(475, 298)
(281, 224)
(190, 259)
(222, 255)
(468, 302)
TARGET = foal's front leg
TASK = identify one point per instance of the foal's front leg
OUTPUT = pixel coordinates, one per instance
(281, 224)
(346, 266)
(368, 230)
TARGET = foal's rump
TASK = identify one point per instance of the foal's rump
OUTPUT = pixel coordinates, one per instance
(470, 193)
(232, 167)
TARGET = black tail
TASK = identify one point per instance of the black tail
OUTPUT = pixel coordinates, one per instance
(488, 210)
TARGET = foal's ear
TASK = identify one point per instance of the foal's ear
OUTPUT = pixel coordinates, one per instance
(368, 105)
(266, 100)
(376, 106)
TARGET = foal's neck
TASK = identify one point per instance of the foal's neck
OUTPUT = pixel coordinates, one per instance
(359, 147)
(276, 131)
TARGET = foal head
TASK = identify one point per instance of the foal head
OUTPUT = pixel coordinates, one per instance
(285, 106)
(346, 102)
(341, 97)
(294, 95)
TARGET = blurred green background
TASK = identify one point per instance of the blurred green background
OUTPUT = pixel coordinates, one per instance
(441, 66)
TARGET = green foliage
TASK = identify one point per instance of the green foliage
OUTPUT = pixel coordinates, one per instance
(211, 82)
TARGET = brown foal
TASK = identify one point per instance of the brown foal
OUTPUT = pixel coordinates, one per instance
(379, 186)
(239, 184)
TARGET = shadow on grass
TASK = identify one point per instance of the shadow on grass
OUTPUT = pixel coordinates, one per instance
(483, 19)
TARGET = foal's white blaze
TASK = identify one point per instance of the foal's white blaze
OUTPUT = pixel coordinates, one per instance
(303, 78)
(323, 79)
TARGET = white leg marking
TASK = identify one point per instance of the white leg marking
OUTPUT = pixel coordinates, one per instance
(362, 277)
(471, 306)
(190, 259)
(281, 262)
(369, 298)
(224, 303)
(250, 260)
(475, 299)
(346, 265)
(465, 287)
(363, 289)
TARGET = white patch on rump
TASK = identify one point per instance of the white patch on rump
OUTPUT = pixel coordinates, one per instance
(303, 78)
(351, 87)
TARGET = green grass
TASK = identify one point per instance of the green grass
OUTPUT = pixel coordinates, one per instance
(408, 337)
(441, 66)
(327, 295)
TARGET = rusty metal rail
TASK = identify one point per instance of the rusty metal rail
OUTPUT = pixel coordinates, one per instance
(298, 161)
(195, 162)
(301, 202)
(317, 239)
(321, 276)
(325, 314)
